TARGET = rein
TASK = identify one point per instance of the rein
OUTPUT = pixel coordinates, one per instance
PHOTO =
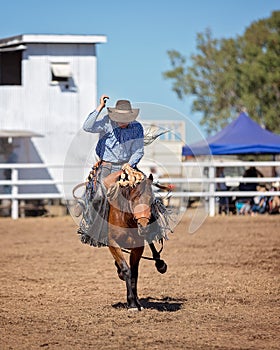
(146, 257)
(161, 187)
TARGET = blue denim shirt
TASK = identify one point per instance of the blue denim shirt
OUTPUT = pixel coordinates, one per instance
(116, 144)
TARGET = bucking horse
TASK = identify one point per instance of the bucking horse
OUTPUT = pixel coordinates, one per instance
(135, 217)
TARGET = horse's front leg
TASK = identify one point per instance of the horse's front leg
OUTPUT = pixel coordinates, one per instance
(135, 257)
(126, 273)
(160, 264)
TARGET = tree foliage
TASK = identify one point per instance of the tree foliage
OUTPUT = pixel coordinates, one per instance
(229, 75)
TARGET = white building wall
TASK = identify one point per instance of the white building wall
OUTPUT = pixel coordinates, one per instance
(55, 113)
(40, 106)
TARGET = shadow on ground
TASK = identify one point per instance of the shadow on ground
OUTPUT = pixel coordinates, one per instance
(166, 304)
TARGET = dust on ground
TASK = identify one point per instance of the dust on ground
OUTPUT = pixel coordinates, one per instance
(221, 289)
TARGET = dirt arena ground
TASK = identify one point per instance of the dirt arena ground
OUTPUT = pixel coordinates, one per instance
(221, 290)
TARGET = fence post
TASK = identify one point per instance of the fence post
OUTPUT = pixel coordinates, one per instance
(14, 194)
(212, 191)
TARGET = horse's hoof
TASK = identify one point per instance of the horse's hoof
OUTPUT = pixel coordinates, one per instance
(161, 266)
(135, 309)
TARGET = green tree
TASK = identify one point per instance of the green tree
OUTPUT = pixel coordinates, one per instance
(229, 75)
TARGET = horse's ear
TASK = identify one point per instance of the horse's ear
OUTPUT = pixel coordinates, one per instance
(151, 177)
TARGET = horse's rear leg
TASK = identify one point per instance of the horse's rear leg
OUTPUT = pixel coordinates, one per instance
(126, 273)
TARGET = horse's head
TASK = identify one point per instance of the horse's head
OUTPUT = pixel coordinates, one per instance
(131, 201)
(142, 197)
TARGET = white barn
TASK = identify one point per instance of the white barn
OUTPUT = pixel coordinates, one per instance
(48, 84)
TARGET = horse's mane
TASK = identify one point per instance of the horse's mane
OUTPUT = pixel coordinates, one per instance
(128, 193)
(123, 195)
(130, 185)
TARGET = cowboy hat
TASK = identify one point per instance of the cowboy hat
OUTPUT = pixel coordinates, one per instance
(123, 113)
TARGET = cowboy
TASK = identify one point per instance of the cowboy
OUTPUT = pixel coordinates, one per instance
(121, 137)
(120, 146)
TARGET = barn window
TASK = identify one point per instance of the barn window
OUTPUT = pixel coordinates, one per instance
(10, 65)
(61, 72)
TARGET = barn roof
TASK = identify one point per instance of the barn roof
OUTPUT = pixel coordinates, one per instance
(52, 39)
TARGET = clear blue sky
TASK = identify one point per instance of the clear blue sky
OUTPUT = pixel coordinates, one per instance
(139, 33)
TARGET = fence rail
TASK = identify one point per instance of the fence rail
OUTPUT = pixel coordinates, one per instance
(211, 193)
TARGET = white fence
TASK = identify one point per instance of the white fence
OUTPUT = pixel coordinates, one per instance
(209, 182)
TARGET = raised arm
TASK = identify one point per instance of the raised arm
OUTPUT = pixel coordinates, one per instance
(102, 103)
(90, 124)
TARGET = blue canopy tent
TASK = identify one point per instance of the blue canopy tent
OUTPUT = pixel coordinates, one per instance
(241, 136)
